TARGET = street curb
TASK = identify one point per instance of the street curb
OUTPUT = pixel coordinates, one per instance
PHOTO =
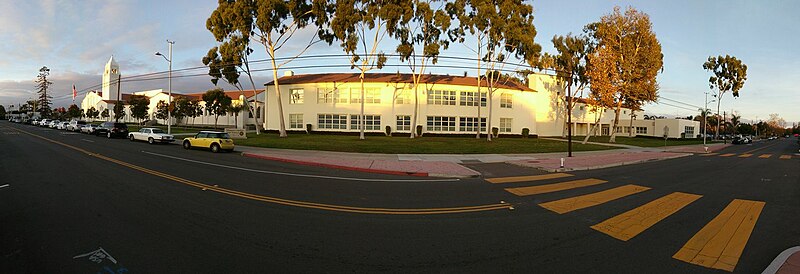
(611, 165)
(780, 260)
(369, 170)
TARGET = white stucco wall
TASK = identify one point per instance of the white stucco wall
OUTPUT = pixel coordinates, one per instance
(522, 111)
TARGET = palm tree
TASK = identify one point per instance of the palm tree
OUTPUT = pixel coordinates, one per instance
(735, 120)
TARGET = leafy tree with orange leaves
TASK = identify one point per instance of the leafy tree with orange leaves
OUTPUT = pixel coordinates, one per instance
(626, 60)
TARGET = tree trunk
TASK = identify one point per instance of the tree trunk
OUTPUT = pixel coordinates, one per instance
(630, 128)
(478, 128)
(416, 108)
(282, 129)
(613, 129)
(361, 122)
(594, 128)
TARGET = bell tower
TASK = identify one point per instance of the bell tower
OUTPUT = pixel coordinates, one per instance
(110, 77)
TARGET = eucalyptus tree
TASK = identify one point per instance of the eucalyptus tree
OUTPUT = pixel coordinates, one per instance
(730, 74)
(421, 41)
(360, 26)
(625, 61)
(570, 68)
(503, 28)
(271, 23)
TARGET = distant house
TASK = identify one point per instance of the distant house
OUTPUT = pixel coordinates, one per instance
(110, 95)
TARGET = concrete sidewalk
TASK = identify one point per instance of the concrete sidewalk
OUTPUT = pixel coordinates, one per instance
(448, 165)
(786, 262)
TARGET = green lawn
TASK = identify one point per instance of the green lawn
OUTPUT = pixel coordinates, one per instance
(401, 144)
(642, 142)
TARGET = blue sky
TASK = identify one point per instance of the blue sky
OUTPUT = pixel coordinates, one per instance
(75, 39)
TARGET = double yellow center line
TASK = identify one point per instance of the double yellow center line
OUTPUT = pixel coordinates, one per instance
(287, 202)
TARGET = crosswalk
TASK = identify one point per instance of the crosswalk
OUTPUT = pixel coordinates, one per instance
(718, 245)
(748, 155)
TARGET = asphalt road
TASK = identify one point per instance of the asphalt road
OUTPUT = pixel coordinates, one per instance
(162, 209)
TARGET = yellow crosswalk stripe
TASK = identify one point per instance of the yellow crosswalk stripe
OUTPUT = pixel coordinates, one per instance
(629, 224)
(720, 243)
(765, 156)
(570, 204)
(786, 157)
(745, 155)
(531, 190)
(709, 154)
(727, 155)
(500, 180)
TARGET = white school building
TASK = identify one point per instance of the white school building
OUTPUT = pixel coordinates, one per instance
(330, 102)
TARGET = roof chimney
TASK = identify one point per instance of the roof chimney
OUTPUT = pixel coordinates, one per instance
(288, 73)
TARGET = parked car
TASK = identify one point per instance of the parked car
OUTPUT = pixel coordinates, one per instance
(35, 122)
(89, 128)
(53, 124)
(62, 125)
(741, 140)
(214, 140)
(75, 125)
(44, 122)
(151, 135)
(111, 130)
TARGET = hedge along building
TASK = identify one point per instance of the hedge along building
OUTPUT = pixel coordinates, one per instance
(111, 94)
(447, 104)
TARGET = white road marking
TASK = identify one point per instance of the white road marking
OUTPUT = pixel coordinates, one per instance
(6, 185)
(97, 256)
(90, 141)
(298, 175)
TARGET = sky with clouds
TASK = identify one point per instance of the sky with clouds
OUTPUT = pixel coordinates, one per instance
(76, 38)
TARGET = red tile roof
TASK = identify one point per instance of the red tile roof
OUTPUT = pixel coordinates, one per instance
(125, 98)
(394, 78)
(233, 94)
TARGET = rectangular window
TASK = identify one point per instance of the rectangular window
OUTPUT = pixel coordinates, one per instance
(506, 100)
(296, 96)
(471, 124)
(505, 124)
(296, 120)
(327, 96)
(403, 123)
(442, 97)
(470, 98)
(688, 131)
(441, 123)
(402, 96)
(332, 121)
(371, 122)
(641, 130)
(372, 96)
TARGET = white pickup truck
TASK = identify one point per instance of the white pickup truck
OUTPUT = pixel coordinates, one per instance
(151, 135)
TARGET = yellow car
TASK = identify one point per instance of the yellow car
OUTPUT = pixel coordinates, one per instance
(216, 141)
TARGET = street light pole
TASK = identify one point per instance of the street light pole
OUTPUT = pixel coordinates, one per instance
(169, 99)
(169, 77)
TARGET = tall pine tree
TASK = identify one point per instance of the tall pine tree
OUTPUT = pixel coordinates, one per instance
(42, 85)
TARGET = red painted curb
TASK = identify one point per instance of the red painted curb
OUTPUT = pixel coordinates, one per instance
(381, 171)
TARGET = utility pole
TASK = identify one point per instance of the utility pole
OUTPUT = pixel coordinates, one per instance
(704, 120)
(119, 98)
